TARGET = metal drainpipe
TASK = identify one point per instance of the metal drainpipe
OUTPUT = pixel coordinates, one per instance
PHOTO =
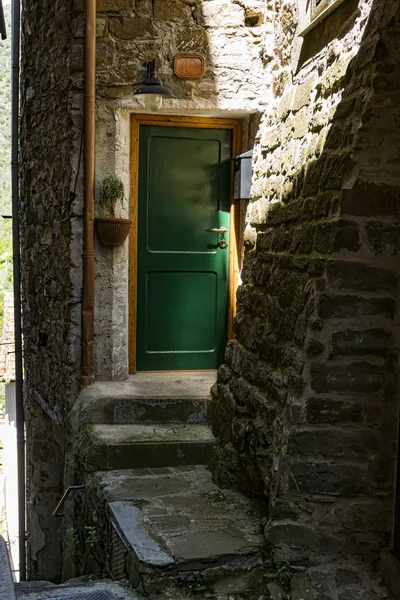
(16, 23)
(89, 187)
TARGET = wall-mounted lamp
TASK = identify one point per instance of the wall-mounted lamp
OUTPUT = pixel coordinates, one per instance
(153, 91)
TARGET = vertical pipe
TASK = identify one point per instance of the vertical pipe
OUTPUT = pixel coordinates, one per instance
(89, 183)
(15, 44)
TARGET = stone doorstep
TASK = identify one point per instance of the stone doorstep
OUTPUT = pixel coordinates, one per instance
(140, 446)
(178, 526)
(149, 398)
(73, 590)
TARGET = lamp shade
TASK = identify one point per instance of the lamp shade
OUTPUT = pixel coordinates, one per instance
(153, 91)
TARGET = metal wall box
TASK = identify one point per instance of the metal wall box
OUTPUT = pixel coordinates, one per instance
(243, 175)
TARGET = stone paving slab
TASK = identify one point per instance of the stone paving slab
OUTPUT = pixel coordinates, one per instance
(128, 520)
(155, 385)
(335, 581)
(134, 434)
(44, 590)
(149, 398)
(137, 446)
(185, 513)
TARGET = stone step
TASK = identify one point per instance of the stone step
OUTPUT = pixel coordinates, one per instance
(174, 528)
(149, 398)
(137, 446)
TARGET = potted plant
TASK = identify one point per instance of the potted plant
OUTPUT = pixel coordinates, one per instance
(111, 231)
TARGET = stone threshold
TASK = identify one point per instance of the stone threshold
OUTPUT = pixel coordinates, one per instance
(167, 397)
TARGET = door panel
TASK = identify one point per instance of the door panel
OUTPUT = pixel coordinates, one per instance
(197, 327)
(184, 192)
(188, 195)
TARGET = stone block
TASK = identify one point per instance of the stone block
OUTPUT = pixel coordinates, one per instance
(131, 28)
(220, 14)
(323, 582)
(369, 514)
(347, 577)
(334, 477)
(108, 5)
(388, 82)
(76, 56)
(302, 96)
(280, 212)
(314, 347)
(351, 306)
(354, 443)
(193, 39)
(300, 123)
(336, 167)
(101, 26)
(351, 342)
(170, 10)
(370, 199)
(333, 411)
(271, 138)
(360, 277)
(221, 412)
(284, 106)
(336, 236)
(346, 237)
(353, 378)
(336, 77)
(275, 592)
(304, 539)
(301, 588)
(383, 238)
(313, 178)
(121, 91)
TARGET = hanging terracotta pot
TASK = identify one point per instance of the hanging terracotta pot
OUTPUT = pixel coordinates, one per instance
(112, 231)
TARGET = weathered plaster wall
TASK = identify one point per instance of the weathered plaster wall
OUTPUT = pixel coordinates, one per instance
(52, 354)
(306, 406)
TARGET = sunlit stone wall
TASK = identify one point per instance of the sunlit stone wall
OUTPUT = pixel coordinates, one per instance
(305, 407)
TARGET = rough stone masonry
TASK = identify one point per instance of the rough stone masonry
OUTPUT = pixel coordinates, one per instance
(305, 406)
(129, 33)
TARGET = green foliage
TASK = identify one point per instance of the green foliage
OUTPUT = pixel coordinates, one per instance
(5, 160)
(285, 574)
(72, 535)
(5, 117)
(112, 190)
(91, 536)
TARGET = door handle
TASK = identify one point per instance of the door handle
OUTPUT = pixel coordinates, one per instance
(221, 230)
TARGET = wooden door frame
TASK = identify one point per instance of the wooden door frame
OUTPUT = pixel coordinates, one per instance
(235, 125)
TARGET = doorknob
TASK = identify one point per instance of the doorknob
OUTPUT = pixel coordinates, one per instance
(221, 230)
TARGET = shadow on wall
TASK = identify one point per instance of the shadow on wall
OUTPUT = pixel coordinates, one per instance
(307, 402)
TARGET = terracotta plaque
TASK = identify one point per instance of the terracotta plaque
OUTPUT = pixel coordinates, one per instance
(189, 66)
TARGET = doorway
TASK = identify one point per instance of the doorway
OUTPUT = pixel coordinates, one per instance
(182, 262)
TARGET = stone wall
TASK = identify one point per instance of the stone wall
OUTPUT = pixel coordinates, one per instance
(129, 34)
(229, 35)
(52, 353)
(305, 407)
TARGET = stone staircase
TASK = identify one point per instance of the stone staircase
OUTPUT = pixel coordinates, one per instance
(169, 529)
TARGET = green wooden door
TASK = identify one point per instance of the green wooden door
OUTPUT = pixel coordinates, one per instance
(184, 192)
